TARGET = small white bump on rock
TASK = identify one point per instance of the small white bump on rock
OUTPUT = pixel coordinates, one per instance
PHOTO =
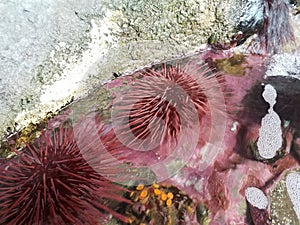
(293, 189)
(234, 127)
(256, 197)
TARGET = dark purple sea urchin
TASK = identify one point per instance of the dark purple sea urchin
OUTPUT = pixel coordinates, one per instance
(50, 183)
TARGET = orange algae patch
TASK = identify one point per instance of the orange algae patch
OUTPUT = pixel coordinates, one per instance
(160, 204)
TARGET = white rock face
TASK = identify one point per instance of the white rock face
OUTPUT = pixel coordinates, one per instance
(293, 189)
(256, 197)
(286, 64)
(270, 133)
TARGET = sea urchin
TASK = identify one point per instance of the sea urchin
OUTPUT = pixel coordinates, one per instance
(50, 182)
(163, 107)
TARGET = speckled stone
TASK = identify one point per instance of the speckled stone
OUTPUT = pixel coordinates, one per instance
(281, 206)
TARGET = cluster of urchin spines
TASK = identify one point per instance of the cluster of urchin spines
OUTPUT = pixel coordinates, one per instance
(160, 105)
(50, 182)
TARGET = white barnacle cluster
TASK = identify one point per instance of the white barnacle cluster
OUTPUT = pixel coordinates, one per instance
(270, 133)
(256, 197)
(293, 189)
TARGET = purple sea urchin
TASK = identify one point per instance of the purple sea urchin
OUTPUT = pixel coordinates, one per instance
(50, 182)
